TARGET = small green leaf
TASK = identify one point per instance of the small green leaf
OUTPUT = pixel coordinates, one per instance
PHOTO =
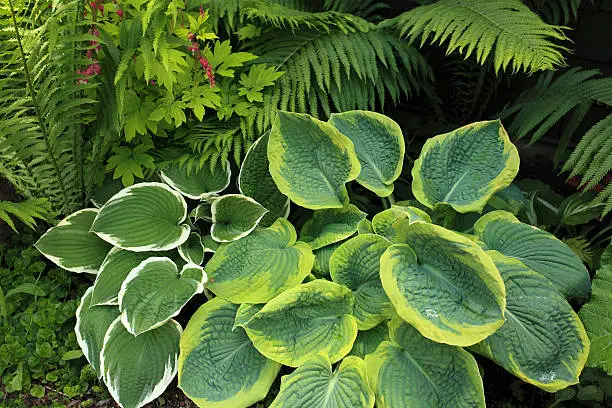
(37, 391)
(72, 355)
(386, 223)
(198, 184)
(331, 225)
(26, 289)
(367, 341)
(234, 216)
(192, 250)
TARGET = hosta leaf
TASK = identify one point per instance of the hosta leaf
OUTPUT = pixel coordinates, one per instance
(322, 257)
(510, 199)
(331, 225)
(143, 217)
(202, 212)
(356, 265)
(260, 266)
(465, 167)
(234, 216)
(542, 341)
(101, 194)
(539, 250)
(367, 341)
(365, 227)
(314, 384)
(386, 224)
(411, 371)
(379, 145)
(444, 285)
(71, 246)
(154, 292)
(136, 370)
(218, 365)
(310, 161)
(302, 322)
(192, 250)
(256, 182)
(210, 245)
(197, 184)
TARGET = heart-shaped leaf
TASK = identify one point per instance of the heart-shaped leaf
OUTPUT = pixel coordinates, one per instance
(331, 225)
(197, 184)
(234, 216)
(386, 223)
(192, 250)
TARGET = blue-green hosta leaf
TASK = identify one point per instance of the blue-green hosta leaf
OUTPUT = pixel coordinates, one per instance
(465, 167)
(246, 311)
(310, 161)
(143, 217)
(218, 365)
(444, 284)
(356, 265)
(71, 246)
(155, 291)
(411, 371)
(260, 266)
(136, 370)
(539, 250)
(314, 384)
(304, 321)
(386, 223)
(192, 250)
(197, 184)
(256, 182)
(322, 257)
(367, 341)
(379, 145)
(234, 216)
(542, 341)
(510, 199)
(331, 225)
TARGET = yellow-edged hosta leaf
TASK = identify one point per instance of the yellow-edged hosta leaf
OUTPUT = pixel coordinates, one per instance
(367, 341)
(197, 184)
(234, 216)
(322, 257)
(386, 223)
(331, 225)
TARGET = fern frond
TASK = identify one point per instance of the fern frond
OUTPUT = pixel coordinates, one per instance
(555, 11)
(26, 211)
(582, 248)
(362, 8)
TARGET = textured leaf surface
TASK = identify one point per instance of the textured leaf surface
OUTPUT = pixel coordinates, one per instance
(258, 267)
(197, 184)
(322, 257)
(310, 161)
(331, 225)
(192, 250)
(386, 224)
(234, 216)
(465, 167)
(218, 365)
(367, 341)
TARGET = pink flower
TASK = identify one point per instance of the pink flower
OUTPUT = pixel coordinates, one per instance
(191, 37)
(202, 12)
(89, 71)
(89, 54)
(152, 82)
(101, 8)
(120, 13)
(96, 68)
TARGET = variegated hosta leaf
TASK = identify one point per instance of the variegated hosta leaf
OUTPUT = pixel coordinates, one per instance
(197, 184)
(218, 365)
(143, 217)
(234, 216)
(444, 285)
(192, 250)
(365, 227)
(136, 370)
(510, 199)
(256, 182)
(101, 194)
(154, 292)
(542, 341)
(302, 322)
(92, 322)
(310, 161)
(356, 265)
(537, 249)
(386, 223)
(314, 384)
(261, 265)
(322, 257)
(245, 313)
(411, 371)
(367, 341)
(331, 225)
(379, 145)
(71, 246)
(465, 167)
(202, 212)
(210, 245)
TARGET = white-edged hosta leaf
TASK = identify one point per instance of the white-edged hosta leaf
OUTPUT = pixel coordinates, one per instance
(202, 212)
(234, 216)
(379, 145)
(260, 266)
(322, 257)
(218, 365)
(443, 284)
(197, 184)
(465, 167)
(314, 384)
(256, 182)
(537, 249)
(367, 341)
(304, 321)
(71, 246)
(155, 291)
(310, 161)
(386, 224)
(143, 217)
(331, 225)
(136, 370)
(411, 371)
(192, 250)
(210, 245)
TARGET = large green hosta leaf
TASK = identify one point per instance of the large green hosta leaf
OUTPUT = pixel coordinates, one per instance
(136, 370)
(155, 291)
(444, 285)
(234, 216)
(379, 145)
(465, 167)
(218, 365)
(537, 249)
(197, 184)
(356, 265)
(71, 246)
(387, 223)
(331, 225)
(314, 384)
(367, 341)
(302, 322)
(310, 161)
(411, 371)
(258, 267)
(143, 217)
(542, 341)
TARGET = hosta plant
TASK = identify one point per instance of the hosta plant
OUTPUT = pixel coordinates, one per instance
(381, 309)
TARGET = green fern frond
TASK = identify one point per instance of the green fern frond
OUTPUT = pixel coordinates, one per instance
(582, 248)
(26, 211)
(555, 11)
(362, 8)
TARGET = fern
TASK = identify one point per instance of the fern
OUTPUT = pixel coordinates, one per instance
(25, 211)
(362, 8)
(555, 11)
(582, 248)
